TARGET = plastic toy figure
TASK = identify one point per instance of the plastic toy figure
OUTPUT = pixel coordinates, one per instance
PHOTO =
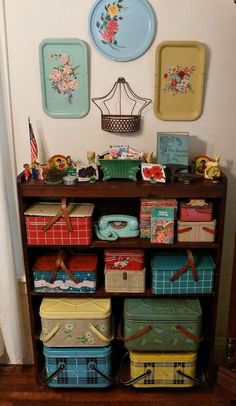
(27, 171)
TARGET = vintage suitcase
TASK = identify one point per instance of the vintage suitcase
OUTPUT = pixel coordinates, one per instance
(125, 280)
(196, 231)
(181, 272)
(124, 259)
(163, 369)
(72, 322)
(188, 212)
(153, 324)
(55, 223)
(64, 273)
(78, 367)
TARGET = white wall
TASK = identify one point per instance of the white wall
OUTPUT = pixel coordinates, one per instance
(211, 22)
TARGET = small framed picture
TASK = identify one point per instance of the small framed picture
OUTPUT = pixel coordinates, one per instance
(153, 173)
(87, 173)
(173, 148)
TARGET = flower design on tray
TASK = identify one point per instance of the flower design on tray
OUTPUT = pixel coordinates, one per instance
(108, 24)
(63, 77)
(178, 79)
(153, 173)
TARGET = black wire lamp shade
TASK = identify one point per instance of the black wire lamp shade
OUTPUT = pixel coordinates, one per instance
(127, 105)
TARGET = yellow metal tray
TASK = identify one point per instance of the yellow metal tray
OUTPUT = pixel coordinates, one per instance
(179, 80)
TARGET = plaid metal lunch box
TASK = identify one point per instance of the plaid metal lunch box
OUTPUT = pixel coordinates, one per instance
(188, 212)
(55, 223)
(153, 324)
(182, 272)
(78, 367)
(72, 322)
(63, 273)
(152, 370)
(124, 259)
(196, 231)
(125, 280)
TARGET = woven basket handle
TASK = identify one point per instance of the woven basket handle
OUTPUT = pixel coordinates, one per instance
(62, 212)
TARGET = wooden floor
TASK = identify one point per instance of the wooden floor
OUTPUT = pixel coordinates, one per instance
(17, 387)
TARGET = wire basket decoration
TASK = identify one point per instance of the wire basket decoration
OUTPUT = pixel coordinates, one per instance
(121, 98)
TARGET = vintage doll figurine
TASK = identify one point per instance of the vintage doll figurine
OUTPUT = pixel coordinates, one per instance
(27, 171)
(212, 170)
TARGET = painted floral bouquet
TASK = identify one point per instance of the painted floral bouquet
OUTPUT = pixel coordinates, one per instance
(63, 77)
(178, 79)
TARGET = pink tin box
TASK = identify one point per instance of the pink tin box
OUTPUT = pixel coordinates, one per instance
(195, 212)
(55, 223)
(124, 259)
(196, 231)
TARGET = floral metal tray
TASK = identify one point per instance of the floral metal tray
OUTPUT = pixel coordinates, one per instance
(179, 80)
(64, 77)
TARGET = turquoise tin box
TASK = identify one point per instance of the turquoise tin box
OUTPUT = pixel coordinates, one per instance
(65, 273)
(182, 272)
(153, 324)
(78, 367)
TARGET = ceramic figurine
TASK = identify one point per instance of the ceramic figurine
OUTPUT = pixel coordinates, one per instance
(212, 170)
(27, 171)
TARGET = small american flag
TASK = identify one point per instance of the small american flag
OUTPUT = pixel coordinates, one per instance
(33, 143)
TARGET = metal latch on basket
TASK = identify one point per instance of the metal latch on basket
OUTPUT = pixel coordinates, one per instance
(124, 276)
(62, 212)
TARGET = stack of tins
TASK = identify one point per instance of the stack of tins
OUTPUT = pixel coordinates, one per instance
(162, 336)
(124, 271)
(77, 335)
(196, 223)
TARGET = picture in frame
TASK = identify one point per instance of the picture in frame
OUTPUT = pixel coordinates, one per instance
(64, 77)
(173, 148)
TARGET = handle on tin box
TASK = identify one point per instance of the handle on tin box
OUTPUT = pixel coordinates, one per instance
(131, 381)
(62, 366)
(188, 333)
(60, 264)
(189, 264)
(62, 212)
(133, 336)
(56, 328)
(191, 378)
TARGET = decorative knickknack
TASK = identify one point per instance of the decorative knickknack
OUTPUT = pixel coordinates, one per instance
(121, 98)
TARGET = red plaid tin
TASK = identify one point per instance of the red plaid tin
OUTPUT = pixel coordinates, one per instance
(55, 224)
(124, 259)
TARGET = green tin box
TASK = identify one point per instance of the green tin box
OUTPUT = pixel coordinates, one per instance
(153, 324)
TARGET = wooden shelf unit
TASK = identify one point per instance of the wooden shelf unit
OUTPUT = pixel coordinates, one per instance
(109, 197)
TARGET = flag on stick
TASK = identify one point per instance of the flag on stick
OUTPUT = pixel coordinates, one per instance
(33, 143)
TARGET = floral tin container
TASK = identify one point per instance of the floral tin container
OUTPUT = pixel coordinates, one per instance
(78, 367)
(124, 259)
(59, 273)
(175, 370)
(172, 273)
(196, 231)
(153, 324)
(72, 322)
(51, 224)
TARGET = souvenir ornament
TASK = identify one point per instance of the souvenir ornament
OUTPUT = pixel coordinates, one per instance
(212, 170)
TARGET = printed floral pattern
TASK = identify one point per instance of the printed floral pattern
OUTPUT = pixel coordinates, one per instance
(108, 24)
(153, 173)
(63, 77)
(178, 79)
